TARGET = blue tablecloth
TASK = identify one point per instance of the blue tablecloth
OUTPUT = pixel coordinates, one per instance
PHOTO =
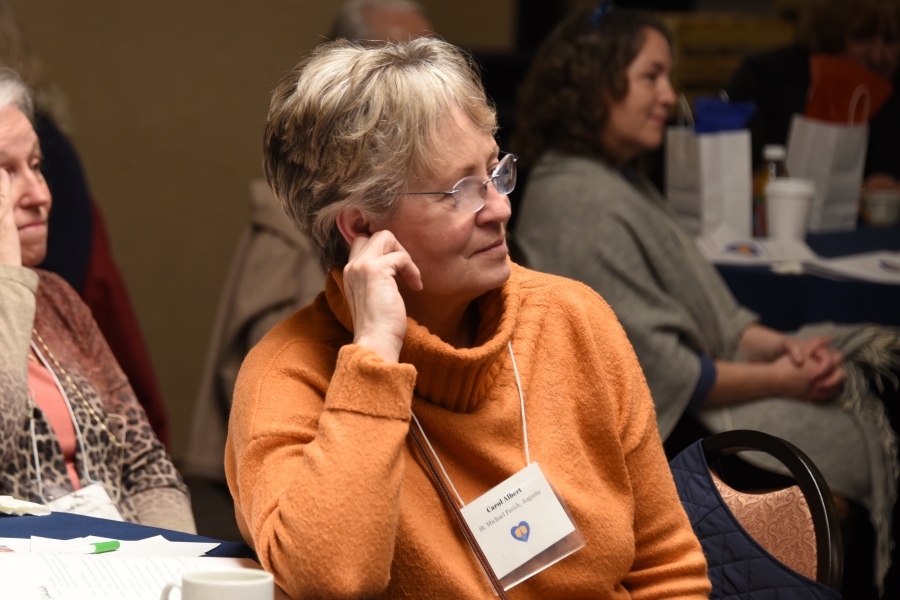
(64, 526)
(786, 302)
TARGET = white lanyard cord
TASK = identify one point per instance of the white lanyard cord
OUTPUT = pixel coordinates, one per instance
(440, 464)
(37, 461)
(524, 429)
(521, 403)
(78, 436)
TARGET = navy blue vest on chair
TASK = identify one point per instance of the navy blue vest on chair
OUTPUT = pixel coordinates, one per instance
(739, 567)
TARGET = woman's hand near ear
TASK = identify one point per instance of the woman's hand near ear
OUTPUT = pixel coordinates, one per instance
(10, 248)
(378, 311)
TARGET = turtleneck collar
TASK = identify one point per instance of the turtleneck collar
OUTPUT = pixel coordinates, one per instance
(452, 378)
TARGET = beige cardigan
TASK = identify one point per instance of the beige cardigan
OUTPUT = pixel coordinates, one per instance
(274, 272)
(151, 491)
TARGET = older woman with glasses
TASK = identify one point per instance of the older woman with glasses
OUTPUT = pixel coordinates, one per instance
(403, 429)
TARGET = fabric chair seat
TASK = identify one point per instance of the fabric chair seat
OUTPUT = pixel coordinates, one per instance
(779, 520)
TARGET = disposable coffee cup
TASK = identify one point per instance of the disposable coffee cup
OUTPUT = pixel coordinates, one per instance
(231, 584)
(788, 205)
(882, 207)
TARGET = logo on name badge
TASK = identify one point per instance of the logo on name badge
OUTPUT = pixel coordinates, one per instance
(521, 531)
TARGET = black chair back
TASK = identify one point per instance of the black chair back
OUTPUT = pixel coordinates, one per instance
(830, 558)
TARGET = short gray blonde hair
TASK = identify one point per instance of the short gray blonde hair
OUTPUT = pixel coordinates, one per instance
(351, 125)
(13, 91)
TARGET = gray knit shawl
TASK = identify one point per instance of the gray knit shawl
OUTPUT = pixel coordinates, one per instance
(583, 219)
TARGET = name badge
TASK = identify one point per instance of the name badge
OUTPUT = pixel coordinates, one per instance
(91, 500)
(522, 526)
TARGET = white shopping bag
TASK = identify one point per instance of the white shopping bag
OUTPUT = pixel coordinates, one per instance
(833, 156)
(709, 181)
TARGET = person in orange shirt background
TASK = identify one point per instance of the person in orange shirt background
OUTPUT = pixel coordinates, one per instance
(866, 32)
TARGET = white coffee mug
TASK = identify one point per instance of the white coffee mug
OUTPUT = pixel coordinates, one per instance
(788, 205)
(233, 584)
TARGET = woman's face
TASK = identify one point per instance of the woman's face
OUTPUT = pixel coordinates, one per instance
(880, 54)
(461, 256)
(20, 156)
(637, 122)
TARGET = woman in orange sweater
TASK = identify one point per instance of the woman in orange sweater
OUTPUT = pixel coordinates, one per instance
(432, 373)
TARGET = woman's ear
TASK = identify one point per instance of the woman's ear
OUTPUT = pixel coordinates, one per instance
(353, 223)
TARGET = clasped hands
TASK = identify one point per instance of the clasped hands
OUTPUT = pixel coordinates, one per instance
(807, 370)
(810, 369)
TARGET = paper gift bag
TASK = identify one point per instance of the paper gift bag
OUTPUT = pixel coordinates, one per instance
(834, 91)
(709, 180)
(833, 156)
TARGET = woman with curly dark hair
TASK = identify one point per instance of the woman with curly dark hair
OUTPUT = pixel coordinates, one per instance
(577, 79)
(596, 99)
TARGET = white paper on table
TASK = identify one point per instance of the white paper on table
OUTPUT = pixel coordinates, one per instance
(878, 267)
(160, 546)
(754, 251)
(12, 506)
(737, 252)
(153, 546)
(102, 577)
(42, 544)
(795, 257)
(15, 545)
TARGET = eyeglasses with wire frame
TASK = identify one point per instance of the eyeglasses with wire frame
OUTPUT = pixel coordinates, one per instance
(470, 193)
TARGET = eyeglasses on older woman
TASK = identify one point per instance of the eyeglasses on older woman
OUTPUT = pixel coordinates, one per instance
(470, 193)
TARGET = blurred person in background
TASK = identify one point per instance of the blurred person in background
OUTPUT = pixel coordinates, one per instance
(70, 424)
(381, 20)
(79, 250)
(273, 273)
(596, 99)
(778, 81)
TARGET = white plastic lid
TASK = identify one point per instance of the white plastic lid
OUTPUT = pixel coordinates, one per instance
(774, 152)
(791, 186)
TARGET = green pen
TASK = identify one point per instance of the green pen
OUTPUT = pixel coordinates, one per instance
(95, 548)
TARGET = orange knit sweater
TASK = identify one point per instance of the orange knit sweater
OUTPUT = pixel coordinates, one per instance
(336, 502)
